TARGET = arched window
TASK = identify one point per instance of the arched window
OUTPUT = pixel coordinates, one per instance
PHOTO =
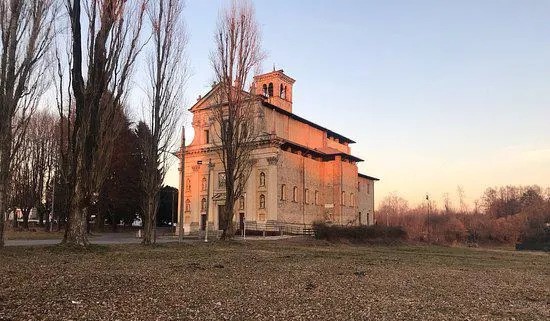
(295, 194)
(203, 205)
(241, 203)
(343, 198)
(264, 87)
(351, 199)
(282, 92)
(316, 197)
(187, 205)
(203, 184)
(262, 201)
(188, 185)
(262, 179)
(270, 89)
(306, 196)
(283, 192)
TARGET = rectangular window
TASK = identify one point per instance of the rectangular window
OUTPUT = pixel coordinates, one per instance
(241, 203)
(221, 180)
(316, 197)
(207, 136)
(368, 188)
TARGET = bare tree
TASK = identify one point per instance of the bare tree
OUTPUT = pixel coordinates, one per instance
(27, 31)
(447, 203)
(113, 43)
(235, 113)
(33, 169)
(167, 74)
(462, 199)
(393, 207)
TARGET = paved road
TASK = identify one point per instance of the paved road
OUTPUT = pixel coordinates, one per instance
(128, 238)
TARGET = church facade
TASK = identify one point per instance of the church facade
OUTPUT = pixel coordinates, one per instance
(302, 172)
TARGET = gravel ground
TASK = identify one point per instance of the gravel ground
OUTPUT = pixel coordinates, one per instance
(296, 279)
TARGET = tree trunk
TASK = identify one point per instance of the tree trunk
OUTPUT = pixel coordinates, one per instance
(40, 212)
(149, 222)
(227, 220)
(3, 209)
(99, 221)
(15, 223)
(47, 222)
(75, 231)
(26, 213)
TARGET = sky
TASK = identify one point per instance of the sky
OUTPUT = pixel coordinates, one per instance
(436, 94)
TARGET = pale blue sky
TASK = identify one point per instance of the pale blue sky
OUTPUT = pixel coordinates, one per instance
(436, 93)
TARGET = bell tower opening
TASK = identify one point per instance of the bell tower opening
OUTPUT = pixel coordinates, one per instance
(276, 88)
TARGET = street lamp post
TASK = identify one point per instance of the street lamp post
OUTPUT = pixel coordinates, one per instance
(210, 166)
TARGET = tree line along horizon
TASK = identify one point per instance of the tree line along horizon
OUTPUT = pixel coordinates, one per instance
(503, 215)
(88, 158)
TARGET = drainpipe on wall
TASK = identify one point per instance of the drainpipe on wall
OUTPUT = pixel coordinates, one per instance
(181, 204)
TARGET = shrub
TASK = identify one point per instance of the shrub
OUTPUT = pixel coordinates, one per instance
(358, 234)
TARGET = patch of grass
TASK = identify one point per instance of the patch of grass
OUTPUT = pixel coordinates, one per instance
(289, 279)
(359, 234)
(72, 249)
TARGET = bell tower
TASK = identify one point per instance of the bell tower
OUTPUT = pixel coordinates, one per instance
(276, 87)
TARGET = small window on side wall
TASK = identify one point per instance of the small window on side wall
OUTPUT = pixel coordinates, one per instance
(316, 197)
(262, 201)
(262, 179)
(283, 192)
(187, 205)
(295, 194)
(241, 203)
(343, 198)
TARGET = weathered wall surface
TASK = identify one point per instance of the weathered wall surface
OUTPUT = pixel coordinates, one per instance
(365, 200)
(307, 176)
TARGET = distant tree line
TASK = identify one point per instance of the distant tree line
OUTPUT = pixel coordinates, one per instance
(508, 214)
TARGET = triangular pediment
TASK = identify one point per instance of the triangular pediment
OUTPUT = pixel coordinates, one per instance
(211, 98)
(207, 100)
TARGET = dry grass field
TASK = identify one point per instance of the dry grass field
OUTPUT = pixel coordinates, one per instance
(283, 280)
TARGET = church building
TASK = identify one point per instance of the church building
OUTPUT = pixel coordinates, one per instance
(302, 172)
